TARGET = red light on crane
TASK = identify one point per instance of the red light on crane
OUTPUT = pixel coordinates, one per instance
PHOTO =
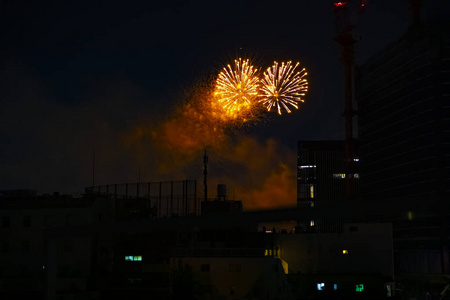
(337, 4)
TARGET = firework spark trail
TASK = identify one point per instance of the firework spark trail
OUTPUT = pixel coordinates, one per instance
(237, 87)
(283, 86)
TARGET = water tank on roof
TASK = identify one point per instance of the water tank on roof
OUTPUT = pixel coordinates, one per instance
(221, 192)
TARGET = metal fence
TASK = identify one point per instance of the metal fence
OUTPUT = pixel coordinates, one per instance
(168, 198)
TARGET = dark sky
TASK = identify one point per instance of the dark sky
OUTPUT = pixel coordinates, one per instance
(79, 75)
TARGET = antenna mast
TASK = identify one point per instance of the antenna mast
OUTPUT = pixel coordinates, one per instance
(205, 174)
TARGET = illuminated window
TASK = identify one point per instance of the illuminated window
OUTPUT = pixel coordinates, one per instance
(356, 159)
(311, 223)
(320, 286)
(340, 175)
(311, 191)
(133, 258)
(344, 251)
(356, 175)
(410, 215)
(307, 167)
(335, 286)
(360, 287)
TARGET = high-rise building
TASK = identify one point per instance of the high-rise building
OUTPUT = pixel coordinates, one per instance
(403, 97)
(321, 179)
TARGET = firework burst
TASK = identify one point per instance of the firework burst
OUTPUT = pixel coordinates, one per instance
(237, 87)
(283, 86)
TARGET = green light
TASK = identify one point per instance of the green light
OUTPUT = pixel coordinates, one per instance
(360, 287)
(133, 258)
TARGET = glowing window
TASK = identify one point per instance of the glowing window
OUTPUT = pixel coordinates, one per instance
(311, 223)
(340, 175)
(320, 286)
(133, 258)
(311, 191)
(360, 287)
(344, 251)
(335, 286)
(307, 167)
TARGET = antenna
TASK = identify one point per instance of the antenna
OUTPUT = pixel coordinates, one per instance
(205, 174)
(93, 167)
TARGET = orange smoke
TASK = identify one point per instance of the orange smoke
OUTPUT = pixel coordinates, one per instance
(261, 174)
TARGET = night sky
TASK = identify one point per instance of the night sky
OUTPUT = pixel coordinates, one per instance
(108, 75)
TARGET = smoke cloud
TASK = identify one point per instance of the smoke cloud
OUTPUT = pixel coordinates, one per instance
(48, 144)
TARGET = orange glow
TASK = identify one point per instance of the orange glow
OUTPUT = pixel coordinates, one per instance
(337, 4)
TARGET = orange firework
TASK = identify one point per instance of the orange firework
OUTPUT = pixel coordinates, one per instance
(283, 86)
(237, 88)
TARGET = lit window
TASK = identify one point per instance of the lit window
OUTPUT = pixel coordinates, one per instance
(344, 251)
(360, 287)
(356, 175)
(335, 286)
(311, 191)
(133, 258)
(356, 159)
(410, 215)
(311, 223)
(307, 167)
(320, 286)
(340, 175)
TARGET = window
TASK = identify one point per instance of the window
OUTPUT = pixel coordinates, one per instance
(311, 223)
(48, 220)
(204, 268)
(133, 258)
(235, 267)
(68, 246)
(335, 286)
(26, 221)
(311, 190)
(360, 287)
(68, 219)
(340, 175)
(344, 251)
(4, 246)
(6, 221)
(353, 229)
(26, 246)
(320, 286)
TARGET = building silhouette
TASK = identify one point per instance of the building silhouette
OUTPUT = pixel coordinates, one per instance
(321, 180)
(403, 96)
